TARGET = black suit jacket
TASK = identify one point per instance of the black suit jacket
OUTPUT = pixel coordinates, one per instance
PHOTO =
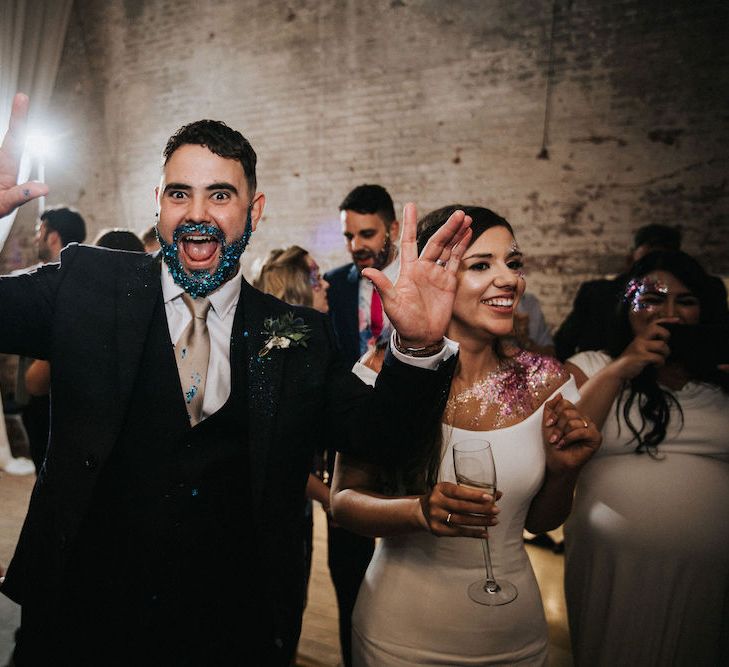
(343, 297)
(591, 319)
(89, 316)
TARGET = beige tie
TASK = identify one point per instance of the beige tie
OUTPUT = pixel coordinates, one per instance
(193, 353)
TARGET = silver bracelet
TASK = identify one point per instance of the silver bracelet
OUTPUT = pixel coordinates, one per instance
(426, 351)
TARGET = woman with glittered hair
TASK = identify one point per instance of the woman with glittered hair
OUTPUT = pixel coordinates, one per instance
(647, 545)
(414, 606)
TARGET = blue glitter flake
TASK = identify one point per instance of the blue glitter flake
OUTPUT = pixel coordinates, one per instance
(191, 393)
(201, 283)
(183, 353)
(194, 492)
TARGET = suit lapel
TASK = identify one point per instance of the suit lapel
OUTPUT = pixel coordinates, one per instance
(137, 294)
(353, 305)
(264, 378)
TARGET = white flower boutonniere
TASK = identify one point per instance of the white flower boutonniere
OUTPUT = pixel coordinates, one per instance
(284, 332)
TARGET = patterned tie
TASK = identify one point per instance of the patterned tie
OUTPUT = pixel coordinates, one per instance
(375, 314)
(193, 353)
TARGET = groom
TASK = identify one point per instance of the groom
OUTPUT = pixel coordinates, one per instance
(165, 525)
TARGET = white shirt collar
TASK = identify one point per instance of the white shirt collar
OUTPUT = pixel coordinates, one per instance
(222, 299)
(392, 269)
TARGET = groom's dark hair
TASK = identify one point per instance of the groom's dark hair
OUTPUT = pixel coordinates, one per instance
(220, 139)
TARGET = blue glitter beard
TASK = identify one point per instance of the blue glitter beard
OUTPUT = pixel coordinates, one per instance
(202, 283)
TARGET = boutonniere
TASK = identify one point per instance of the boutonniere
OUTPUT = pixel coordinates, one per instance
(283, 332)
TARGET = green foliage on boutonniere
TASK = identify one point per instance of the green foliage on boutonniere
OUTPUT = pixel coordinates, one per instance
(284, 332)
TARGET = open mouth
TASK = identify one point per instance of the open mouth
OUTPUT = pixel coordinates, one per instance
(499, 302)
(199, 246)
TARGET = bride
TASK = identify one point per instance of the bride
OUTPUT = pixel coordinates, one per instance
(413, 606)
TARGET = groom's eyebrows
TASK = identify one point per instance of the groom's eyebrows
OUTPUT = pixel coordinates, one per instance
(229, 187)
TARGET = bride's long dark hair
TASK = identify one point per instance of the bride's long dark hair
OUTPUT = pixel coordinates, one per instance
(421, 473)
(653, 401)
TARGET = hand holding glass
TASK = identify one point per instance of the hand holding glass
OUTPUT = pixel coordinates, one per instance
(475, 468)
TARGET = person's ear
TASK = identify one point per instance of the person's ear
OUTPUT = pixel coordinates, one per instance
(395, 230)
(53, 239)
(257, 205)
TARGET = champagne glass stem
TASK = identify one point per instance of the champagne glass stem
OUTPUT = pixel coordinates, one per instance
(490, 585)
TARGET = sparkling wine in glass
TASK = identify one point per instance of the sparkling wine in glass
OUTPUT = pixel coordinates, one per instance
(475, 468)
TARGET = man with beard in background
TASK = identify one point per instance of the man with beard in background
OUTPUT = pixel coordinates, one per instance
(370, 230)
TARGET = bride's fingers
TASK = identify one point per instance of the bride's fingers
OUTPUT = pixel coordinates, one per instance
(466, 525)
(408, 244)
(464, 236)
(445, 237)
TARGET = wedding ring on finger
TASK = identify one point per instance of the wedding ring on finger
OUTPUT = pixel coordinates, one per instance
(584, 421)
(448, 519)
(441, 262)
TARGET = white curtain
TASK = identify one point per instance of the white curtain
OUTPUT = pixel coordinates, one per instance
(32, 33)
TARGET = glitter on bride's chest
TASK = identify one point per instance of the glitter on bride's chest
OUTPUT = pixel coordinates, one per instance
(507, 394)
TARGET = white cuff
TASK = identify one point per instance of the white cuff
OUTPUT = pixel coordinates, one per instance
(450, 347)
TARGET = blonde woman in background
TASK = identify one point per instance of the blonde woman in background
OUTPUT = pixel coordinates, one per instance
(292, 275)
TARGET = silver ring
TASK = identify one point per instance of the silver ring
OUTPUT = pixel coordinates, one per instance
(441, 262)
(448, 519)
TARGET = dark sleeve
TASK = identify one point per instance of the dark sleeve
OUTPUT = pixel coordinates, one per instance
(26, 303)
(390, 423)
(567, 337)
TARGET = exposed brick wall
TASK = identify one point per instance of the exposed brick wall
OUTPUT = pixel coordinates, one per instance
(439, 101)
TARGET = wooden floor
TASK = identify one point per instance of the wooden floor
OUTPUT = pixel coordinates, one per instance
(319, 644)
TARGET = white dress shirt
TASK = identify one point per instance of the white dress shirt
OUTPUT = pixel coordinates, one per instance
(223, 302)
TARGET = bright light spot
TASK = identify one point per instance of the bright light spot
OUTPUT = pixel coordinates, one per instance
(39, 144)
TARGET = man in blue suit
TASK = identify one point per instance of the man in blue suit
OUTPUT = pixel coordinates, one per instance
(370, 231)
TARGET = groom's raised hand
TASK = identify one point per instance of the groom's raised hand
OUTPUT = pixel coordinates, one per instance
(420, 303)
(13, 195)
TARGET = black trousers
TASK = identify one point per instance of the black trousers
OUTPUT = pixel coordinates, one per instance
(348, 555)
(199, 622)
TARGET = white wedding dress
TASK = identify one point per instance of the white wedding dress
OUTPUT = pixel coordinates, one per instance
(413, 607)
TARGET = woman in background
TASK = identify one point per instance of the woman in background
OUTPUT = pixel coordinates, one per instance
(413, 606)
(292, 275)
(647, 544)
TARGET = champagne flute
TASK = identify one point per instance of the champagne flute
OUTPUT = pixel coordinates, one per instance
(474, 465)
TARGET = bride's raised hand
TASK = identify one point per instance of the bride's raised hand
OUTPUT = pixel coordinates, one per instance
(12, 194)
(420, 303)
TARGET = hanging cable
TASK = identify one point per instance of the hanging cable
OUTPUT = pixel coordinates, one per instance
(544, 152)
